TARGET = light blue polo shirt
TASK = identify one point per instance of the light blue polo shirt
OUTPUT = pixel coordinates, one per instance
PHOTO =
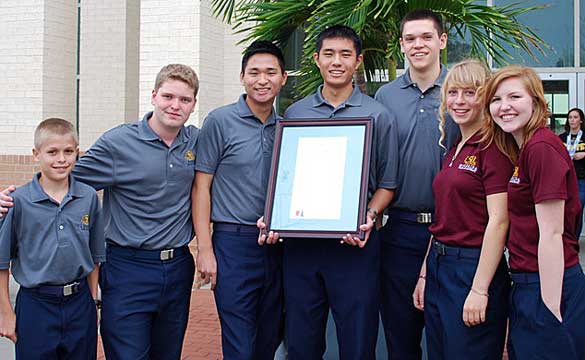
(384, 156)
(417, 116)
(236, 148)
(50, 243)
(147, 184)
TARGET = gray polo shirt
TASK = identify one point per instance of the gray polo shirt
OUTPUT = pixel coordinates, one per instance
(418, 135)
(147, 184)
(384, 156)
(236, 147)
(50, 243)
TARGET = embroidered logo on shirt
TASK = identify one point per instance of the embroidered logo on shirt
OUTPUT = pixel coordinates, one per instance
(189, 155)
(85, 219)
(470, 163)
(515, 179)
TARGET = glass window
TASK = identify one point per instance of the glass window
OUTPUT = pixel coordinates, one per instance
(554, 24)
(556, 93)
(293, 50)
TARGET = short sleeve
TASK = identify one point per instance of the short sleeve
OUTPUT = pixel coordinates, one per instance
(96, 167)
(547, 171)
(496, 171)
(210, 145)
(386, 150)
(8, 236)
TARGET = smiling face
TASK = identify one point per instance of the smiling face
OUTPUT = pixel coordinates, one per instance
(337, 61)
(173, 102)
(421, 44)
(463, 105)
(56, 156)
(574, 121)
(511, 107)
(262, 79)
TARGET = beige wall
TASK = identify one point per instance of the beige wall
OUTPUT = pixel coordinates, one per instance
(109, 66)
(123, 45)
(37, 68)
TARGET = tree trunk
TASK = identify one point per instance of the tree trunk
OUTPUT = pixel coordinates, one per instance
(391, 68)
(360, 79)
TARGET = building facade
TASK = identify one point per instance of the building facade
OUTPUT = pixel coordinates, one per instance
(94, 64)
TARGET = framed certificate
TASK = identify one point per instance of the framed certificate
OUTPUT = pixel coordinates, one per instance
(319, 178)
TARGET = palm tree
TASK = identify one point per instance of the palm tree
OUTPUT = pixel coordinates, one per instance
(377, 22)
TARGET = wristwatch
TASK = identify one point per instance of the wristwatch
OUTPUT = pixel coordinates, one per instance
(98, 303)
(374, 212)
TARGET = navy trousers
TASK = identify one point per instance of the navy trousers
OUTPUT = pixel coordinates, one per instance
(535, 333)
(145, 303)
(450, 273)
(55, 326)
(248, 293)
(320, 274)
(404, 245)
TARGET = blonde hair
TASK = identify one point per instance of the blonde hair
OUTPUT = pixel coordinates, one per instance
(540, 112)
(180, 72)
(467, 74)
(51, 127)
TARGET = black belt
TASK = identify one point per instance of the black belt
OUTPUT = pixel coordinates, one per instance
(162, 255)
(60, 290)
(241, 228)
(420, 218)
(462, 252)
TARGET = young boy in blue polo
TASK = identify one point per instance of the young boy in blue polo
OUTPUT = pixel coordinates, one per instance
(53, 242)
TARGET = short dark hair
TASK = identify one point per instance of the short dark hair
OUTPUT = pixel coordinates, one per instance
(262, 47)
(423, 14)
(340, 31)
(581, 116)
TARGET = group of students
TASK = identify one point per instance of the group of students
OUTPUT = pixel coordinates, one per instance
(505, 181)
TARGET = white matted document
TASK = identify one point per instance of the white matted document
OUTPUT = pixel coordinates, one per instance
(318, 182)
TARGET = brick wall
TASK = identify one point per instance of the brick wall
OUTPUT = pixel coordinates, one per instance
(16, 169)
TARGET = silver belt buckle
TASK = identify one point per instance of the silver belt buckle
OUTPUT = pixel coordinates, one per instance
(424, 218)
(69, 289)
(167, 254)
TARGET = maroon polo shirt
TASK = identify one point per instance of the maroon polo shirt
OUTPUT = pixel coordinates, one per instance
(460, 191)
(544, 172)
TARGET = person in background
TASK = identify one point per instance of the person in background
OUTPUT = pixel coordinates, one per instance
(463, 286)
(574, 140)
(547, 302)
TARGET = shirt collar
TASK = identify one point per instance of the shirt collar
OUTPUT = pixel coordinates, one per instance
(245, 112)
(355, 99)
(37, 194)
(146, 133)
(407, 80)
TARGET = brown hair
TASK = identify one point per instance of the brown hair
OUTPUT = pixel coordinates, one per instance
(581, 118)
(180, 72)
(471, 74)
(52, 127)
(540, 112)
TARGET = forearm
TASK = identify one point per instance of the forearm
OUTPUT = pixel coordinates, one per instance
(5, 305)
(551, 269)
(201, 206)
(492, 250)
(92, 280)
(381, 199)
